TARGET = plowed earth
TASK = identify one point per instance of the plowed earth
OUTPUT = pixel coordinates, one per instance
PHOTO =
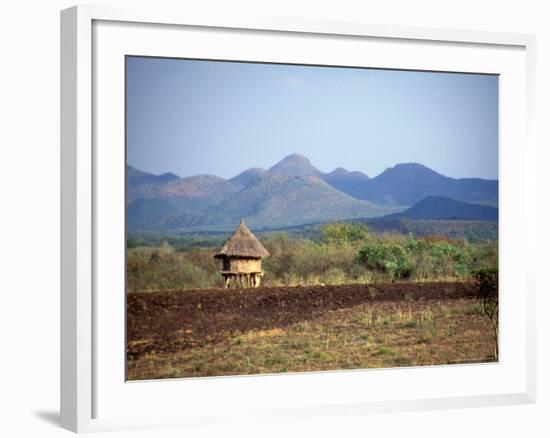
(166, 322)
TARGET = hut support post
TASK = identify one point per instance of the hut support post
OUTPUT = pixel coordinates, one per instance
(241, 280)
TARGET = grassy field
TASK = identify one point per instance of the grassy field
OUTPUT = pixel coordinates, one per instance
(403, 330)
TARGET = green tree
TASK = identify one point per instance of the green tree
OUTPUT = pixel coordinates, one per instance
(344, 232)
(391, 258)
(487, 288)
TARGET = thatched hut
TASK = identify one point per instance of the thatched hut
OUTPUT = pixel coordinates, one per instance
(241, 258)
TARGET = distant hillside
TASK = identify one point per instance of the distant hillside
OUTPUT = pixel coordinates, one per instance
(148, 213)
(455, 229)
(438, 207)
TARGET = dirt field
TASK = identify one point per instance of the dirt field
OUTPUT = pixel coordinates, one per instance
(223, 332)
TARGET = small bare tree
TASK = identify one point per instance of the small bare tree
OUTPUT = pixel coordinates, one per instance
(487, 289)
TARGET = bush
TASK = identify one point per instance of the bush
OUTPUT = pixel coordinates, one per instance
(390, 258)
(307, 262)
(164, 268)
(400, 257)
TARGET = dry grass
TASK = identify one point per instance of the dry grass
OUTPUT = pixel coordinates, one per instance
(382, 334)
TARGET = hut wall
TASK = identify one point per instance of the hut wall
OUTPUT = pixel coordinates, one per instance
(242, 265)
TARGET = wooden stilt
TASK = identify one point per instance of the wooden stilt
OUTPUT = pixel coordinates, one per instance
(233, 280)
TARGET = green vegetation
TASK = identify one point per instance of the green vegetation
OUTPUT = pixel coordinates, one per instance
(340, 253)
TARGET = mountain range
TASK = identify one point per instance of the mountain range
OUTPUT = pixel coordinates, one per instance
(294, 192)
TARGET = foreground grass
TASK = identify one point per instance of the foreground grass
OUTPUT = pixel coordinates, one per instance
(377, 335)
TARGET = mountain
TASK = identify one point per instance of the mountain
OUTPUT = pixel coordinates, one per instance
(295, 165)
(438, 207)
(405, 184)
(193, 191)
(140, 184)
(211, 187)
(279, 200)
(248, 177)
(148, 213)
(152, 199)
(352, 183)
(138, 177)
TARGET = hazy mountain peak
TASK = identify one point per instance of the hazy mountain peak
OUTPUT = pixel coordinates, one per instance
(295, 165)
(136, 176)
(249, 176)
(168, 176)
(411, 165)
(408, 170)
(295, 158)
(339, 171)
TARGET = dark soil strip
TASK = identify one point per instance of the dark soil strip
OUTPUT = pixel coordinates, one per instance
(171, 321)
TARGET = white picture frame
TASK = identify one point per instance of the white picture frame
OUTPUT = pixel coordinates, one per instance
(86, 378)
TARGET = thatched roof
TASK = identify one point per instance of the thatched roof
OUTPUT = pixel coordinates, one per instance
(242, 244)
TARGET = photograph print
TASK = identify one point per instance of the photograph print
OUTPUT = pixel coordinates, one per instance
(286, 218)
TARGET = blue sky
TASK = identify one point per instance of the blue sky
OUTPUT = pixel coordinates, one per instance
(206, 117)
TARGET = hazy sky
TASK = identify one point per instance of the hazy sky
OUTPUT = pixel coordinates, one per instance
(204, 117)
